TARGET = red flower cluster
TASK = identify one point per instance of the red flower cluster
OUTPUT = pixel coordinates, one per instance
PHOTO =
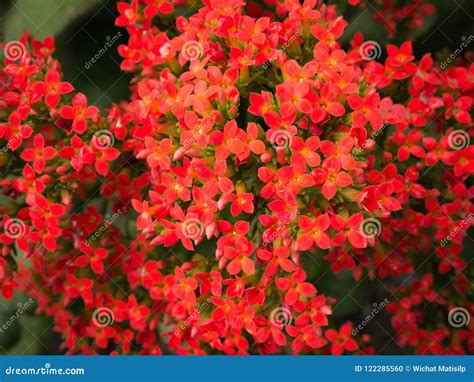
(182, 219)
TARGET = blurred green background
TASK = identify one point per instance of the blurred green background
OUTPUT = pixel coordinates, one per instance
(83, 27)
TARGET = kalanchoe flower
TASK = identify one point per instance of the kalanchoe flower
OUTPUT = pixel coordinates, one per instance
(254, 152)
(52, 88)
(39, 154)
(79, 113)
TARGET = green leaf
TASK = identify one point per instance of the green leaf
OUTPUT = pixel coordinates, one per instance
(42, 18)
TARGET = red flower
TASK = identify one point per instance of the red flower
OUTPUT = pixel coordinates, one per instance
(14, 131)
(155, 6)
(156, 154)
(185, 286)
(260, 104)
(128, 13)
(341, 340)
(241, 58)
(349, 229)
(43, 49)
(103, 155)
(276, 260)
(330, 177)
(52, 88)
(79, 113)
(251, 142)
(94, 257)
(295, 288)
(239, 257)
(313, 233)
(137, 314)
(38, 154)
(79, 287)
(307, 336)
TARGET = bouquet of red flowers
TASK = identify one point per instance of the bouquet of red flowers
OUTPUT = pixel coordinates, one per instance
(187, 219)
